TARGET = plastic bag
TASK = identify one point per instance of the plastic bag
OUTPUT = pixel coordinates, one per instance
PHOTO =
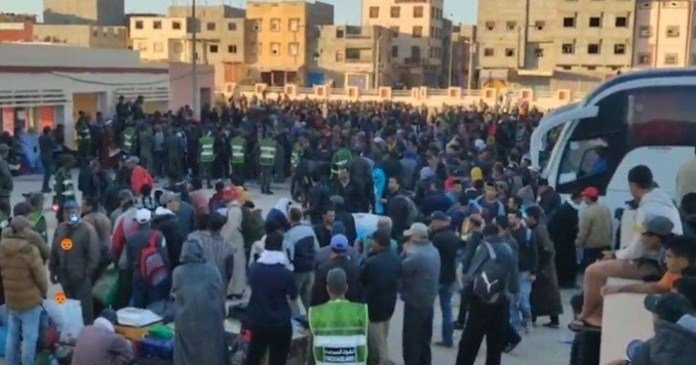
(67, 317)
(105, 289)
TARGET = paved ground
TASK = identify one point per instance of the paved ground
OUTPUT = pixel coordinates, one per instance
(542, 346)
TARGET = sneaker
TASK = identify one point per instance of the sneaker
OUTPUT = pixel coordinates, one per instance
(510, 347)
(553, 325)
(444, 344)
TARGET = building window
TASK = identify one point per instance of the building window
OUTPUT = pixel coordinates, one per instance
(158, 47)
(210, 26)
(621, 22)
(275, 49)
(569, 22)
(593, 48)
(232, 48)
(509, 52)
(568, 48)
(395, 11)
(645, 31)
(256, 25)
(591, 68)
(394, 32)
(488, 52)
(139, 24)
(538, 52)
(619, 48)
(671, 59)
(340, 33)
(490, 25)
(176, 25)
(595, 22)
(374, 12)
(395, 51)
(231, 26)
(294, 49)
(415, 53)
(95, 33)
(294, 24)
(213, 48)
(511, 25)
(540, 25)
(417, 31)
(644, 58)
(417, 11)
(672, 31)
(157, 24)
(275, 25)
(339, 56)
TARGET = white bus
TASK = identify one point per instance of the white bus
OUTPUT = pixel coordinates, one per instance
(645, 117)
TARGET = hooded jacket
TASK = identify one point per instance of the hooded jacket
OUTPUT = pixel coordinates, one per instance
(671, 345)
(23, 274)
(168, 223)
(654, 203)
(79, 262)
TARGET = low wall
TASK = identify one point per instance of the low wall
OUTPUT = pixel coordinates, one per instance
(432, 98)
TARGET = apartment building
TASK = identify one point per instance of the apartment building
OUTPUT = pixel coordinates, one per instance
(352, 56)
(95, 12)
(220, 39)
(664, 34)
(548, 44)
(282, 39)
(82, 35)
(464, 60)
(417, 37)
(16, 27)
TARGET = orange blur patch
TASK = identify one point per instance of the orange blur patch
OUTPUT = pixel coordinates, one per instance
(66, 244)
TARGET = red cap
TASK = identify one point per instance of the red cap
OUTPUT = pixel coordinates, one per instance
(591, 192)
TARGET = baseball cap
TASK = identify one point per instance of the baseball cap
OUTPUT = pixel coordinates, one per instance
(591, 193)
(669, 306)
(417, 230)
(143, 215)
(168, 196)
(658, 225)
(339, 243)
(439, 216)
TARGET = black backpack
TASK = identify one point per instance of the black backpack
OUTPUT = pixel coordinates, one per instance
(490, 283)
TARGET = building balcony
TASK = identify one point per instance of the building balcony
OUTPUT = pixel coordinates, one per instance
(360, 60)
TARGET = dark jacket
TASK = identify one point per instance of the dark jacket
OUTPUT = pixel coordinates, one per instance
(318, 200)
(168, 223)
(187, 217)
(348, 222)
(549, 202)
(399, 212)
(545, 297)
(271, 283)
(380, 276)
(470, 247)
(433, 202)
(352, 195)
(504, 255)
(528, 251)
(323, 234)
(672, 345)
(138, 241)
(352, 269)
(78, 261)
(448, 244)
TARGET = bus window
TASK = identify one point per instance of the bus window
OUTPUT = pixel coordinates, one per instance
(662, 116)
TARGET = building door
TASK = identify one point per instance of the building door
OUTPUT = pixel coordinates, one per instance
(86, 102)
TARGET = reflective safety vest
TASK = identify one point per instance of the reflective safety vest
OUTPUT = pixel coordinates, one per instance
(207, 155)
(339, 331)
(129, 140)
(83, 135)
(268, 150)
(296, 156)
(237, 144)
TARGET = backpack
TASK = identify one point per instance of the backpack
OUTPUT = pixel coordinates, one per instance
(490, 283)
(152, 265)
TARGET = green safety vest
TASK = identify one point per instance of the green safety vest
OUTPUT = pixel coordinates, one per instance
(296, 155)
(268, 150)
(237, 144)
(129, 140)
(339, 331)
(207, 155)
(83, 136)
(39, 223)
(64, 188)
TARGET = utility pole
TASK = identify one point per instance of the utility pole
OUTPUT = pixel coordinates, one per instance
(378, 50)
(470, 71)
(451, 60)
(194, 60)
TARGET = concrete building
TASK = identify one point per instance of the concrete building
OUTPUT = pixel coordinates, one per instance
(16, 27)
(353, 56)
(663, 34)
(417, 37)
(282, 40)
(464, 60)
(551, 44)
(220, 39)
(96, 12)
(82, 35)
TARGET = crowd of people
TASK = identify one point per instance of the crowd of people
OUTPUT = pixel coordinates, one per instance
(458, 211)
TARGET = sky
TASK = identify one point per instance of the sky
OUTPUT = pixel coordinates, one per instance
(346, 11)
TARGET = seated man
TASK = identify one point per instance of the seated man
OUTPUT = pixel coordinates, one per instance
(100, 344)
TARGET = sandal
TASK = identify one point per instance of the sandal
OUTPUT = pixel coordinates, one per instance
(580, 325)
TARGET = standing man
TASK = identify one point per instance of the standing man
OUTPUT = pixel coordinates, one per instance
(380, 280)
(267, 156)
(595, 228)
(447, 244)
(238, 144)
(75, 257)
(420, 277)
(168, 223)
(130, 139)
(339, 327)
(301, 245)
(207, 156)
(6, 184)
(146, 146)
(528, 263)
(148, 289)
(47, 146)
